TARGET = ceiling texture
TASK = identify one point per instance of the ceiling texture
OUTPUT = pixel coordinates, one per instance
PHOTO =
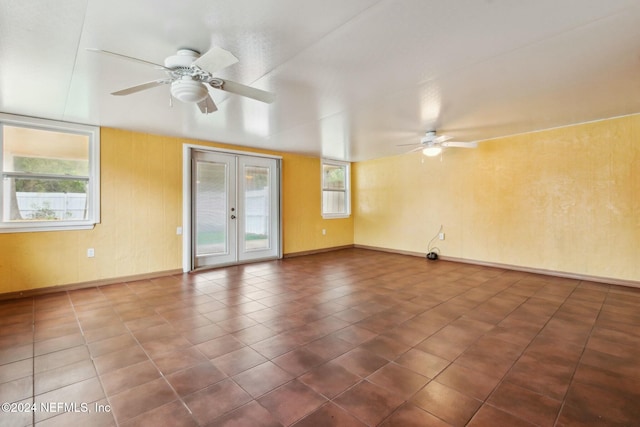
(353, 78)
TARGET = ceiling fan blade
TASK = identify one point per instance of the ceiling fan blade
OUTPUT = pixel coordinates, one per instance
(141, 87)
(207, 105)
(215, 59)
(248, 91)
(460, 144)
(129, 58)
(441, 138)
(407, 145)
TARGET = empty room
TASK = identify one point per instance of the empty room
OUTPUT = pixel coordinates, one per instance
(339, 213)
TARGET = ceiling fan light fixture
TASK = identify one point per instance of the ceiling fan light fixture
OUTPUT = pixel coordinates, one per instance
(188, 90)
(432, 151)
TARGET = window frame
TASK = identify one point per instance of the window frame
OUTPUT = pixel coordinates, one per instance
(93, 183)
(346, 190)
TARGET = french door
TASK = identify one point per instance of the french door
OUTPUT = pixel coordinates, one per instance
(235, 208)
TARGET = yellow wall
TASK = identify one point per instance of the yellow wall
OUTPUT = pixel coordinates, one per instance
(141, 206)
(302, 219)
(566, 200)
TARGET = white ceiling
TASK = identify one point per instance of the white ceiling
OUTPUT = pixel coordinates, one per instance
(353, 78)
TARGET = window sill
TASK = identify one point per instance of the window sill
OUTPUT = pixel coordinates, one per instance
(336, 216)
(39, 228)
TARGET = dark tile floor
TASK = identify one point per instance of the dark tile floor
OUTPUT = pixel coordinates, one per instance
(350, 338)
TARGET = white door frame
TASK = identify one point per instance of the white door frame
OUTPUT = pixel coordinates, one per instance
(187, 246)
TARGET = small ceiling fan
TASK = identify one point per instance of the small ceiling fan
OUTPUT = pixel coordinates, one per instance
(190, 76)
(432, 145)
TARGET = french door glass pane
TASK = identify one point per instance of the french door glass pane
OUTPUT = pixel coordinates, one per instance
(257, 205)
(211, 208)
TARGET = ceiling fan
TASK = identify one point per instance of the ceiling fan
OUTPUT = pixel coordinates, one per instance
(190, 76)
(431, 144)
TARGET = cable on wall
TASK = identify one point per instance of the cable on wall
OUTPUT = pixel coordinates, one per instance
(433, 251)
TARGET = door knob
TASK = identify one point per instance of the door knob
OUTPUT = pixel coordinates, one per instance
(233, 217)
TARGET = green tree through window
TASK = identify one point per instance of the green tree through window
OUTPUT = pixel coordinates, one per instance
(51, 166)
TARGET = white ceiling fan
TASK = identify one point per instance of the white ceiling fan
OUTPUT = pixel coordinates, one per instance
(432, 145)
(190, 76)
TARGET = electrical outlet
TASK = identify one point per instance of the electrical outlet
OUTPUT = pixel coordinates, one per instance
(324, 232)
(179, 231)
(90, 253)
(441, 236)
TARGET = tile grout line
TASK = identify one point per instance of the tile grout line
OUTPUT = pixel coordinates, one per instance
(584, 348)
(451, 362)
(180, 398)
(485, 400)
(148, 358)
(524, 350)
(405, 401)
(75, 313)
(570, 313)
(501, 381)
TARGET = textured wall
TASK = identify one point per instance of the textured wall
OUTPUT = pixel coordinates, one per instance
(302, 218)
(141, 206)
(566, 200)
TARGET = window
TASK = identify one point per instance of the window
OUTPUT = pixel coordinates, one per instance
(335, 189)
(50, 175)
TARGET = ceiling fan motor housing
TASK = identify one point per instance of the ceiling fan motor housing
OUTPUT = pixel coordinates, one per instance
(182, 59)
(429, 138)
